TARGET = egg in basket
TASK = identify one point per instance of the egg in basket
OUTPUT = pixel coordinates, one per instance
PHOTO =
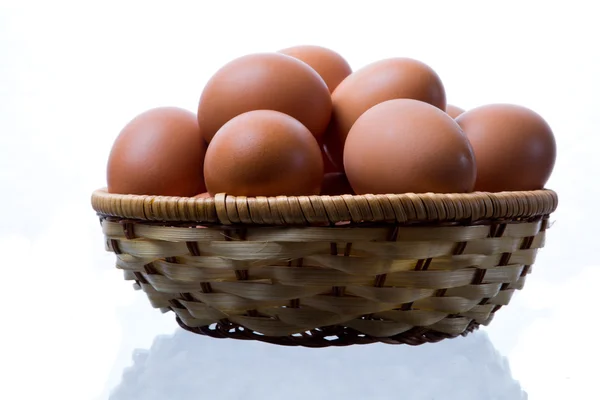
(307, 204)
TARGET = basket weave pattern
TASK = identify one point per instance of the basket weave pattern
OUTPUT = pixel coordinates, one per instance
(320, 271)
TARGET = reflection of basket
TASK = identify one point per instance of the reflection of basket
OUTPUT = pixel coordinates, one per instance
(328, 271)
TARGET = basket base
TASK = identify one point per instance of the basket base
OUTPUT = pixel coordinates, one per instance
(330, 336)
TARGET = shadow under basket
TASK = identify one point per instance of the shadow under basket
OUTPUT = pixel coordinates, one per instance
(321, 271)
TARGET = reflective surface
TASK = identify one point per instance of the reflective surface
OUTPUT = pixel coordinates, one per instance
(469, 368)
(72, 75)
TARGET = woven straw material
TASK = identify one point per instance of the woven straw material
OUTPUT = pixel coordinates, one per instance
(321, 271)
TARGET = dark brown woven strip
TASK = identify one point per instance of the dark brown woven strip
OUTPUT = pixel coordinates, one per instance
(331, 336)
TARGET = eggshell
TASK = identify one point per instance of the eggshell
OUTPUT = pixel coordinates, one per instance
(159, 152)
(335, 184)
(514, 147)
(331, 66)
(265, 81)
(405, 145)
(453, 111)
(263, 153)
(328, 166)
(388, 79)
(202, 195)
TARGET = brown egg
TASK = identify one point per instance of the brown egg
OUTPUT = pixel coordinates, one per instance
(514, 147)
(265, 81)
(335, 184)
(202, 195)
(331, 66)
(405, 145)
(159, 152)
(453, 111)
(263, 153)
(388, 79)
(328, 166)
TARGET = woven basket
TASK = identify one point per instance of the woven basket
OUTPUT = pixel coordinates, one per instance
(323, 271)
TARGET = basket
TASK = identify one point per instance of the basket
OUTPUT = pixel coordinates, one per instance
(320, 271)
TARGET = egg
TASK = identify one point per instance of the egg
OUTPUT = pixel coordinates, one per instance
(453, 111)
(387, 79)
(159, 152)
(331, 66)
(328, 166)
(263, 153)
(264, 81)
(406, 145)
(335, 184)
(514, 147)
(202, 195)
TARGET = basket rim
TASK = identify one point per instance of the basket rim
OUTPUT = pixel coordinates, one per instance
(407, 208)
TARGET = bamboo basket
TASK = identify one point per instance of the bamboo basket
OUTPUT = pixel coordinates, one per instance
(322, 271)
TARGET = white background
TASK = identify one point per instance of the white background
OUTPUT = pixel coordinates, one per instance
(72, 74)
